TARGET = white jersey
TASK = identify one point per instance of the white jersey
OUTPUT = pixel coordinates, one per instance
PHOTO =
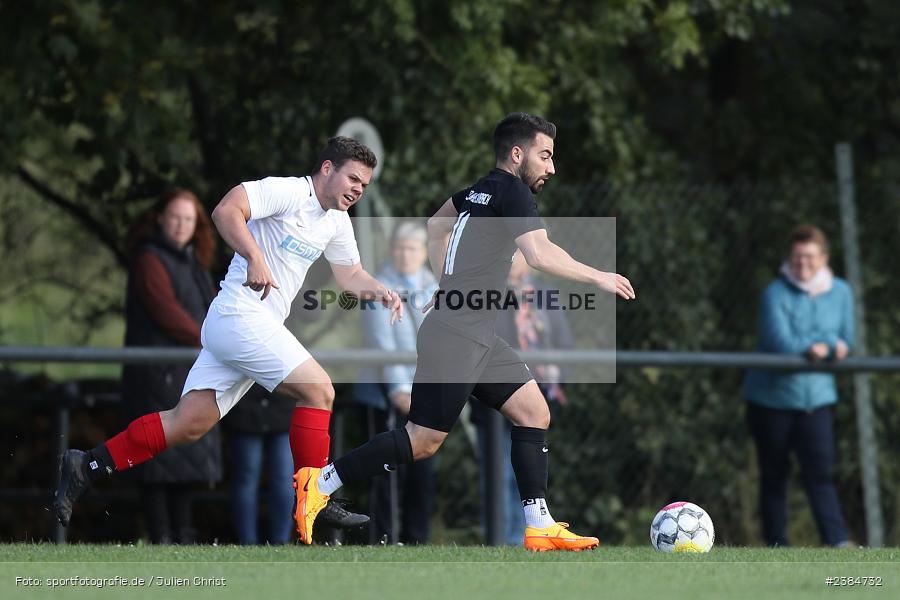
(292, 230)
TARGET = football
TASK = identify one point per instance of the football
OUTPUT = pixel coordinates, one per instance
(682, 527)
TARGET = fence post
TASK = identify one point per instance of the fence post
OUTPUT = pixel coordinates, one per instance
(338, 433)
(62, 444)
(394, 485)
(494, 461)
(868, 450)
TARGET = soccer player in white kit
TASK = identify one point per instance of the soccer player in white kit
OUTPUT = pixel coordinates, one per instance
(278, 227)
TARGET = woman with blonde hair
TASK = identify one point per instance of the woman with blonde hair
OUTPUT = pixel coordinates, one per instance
(809, 311)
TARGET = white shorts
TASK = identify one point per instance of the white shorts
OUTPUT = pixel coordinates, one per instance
(240, 347)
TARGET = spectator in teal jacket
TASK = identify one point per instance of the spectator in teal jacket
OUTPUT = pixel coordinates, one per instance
(809, 311)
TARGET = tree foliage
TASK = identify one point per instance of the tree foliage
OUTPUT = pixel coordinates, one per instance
(104, 103)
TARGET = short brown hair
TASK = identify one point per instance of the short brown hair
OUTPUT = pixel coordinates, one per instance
(340, 149)
(805, 234)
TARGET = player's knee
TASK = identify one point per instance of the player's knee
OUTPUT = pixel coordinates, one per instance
(189, 426)
(194, 415)
(193, 433)
(322, 396)
(536, 415)
(190, 429)
(310, 395)
(426, 446)
(424, 451)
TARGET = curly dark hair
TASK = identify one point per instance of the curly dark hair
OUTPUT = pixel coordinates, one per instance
(340, 149)
(146, 226)
(519, 129)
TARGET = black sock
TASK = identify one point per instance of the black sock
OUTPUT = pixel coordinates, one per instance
(529, 456)
(382, 453)
(99, 463)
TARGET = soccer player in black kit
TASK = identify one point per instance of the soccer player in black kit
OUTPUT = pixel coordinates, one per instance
(458, 352)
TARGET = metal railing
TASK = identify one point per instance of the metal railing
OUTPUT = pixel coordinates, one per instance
(368, 357)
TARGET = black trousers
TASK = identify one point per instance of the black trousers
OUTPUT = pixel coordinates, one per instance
(169, 509)
(810, 436)
(415, 493)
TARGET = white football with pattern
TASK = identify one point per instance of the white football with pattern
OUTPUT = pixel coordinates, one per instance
(682, 527)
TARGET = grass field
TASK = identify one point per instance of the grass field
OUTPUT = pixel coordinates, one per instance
(436, 572)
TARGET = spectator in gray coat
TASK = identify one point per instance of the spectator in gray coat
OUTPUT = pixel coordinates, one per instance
(386, 391)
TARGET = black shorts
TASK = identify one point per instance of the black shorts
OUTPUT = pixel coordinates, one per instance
(451, 367)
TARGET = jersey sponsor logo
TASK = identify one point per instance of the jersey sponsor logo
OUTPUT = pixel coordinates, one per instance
(478, 197)
(300, 248)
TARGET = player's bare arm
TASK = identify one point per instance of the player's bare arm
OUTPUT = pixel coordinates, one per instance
(439, 227)
(231, 216)
(357, 280)
(543, 255)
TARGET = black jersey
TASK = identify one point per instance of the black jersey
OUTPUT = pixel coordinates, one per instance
(480, 251)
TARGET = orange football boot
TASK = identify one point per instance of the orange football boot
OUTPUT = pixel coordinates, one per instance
(310, 501)
(557, 537)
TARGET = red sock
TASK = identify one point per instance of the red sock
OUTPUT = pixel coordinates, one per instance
(140, 442)
(309, 437)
